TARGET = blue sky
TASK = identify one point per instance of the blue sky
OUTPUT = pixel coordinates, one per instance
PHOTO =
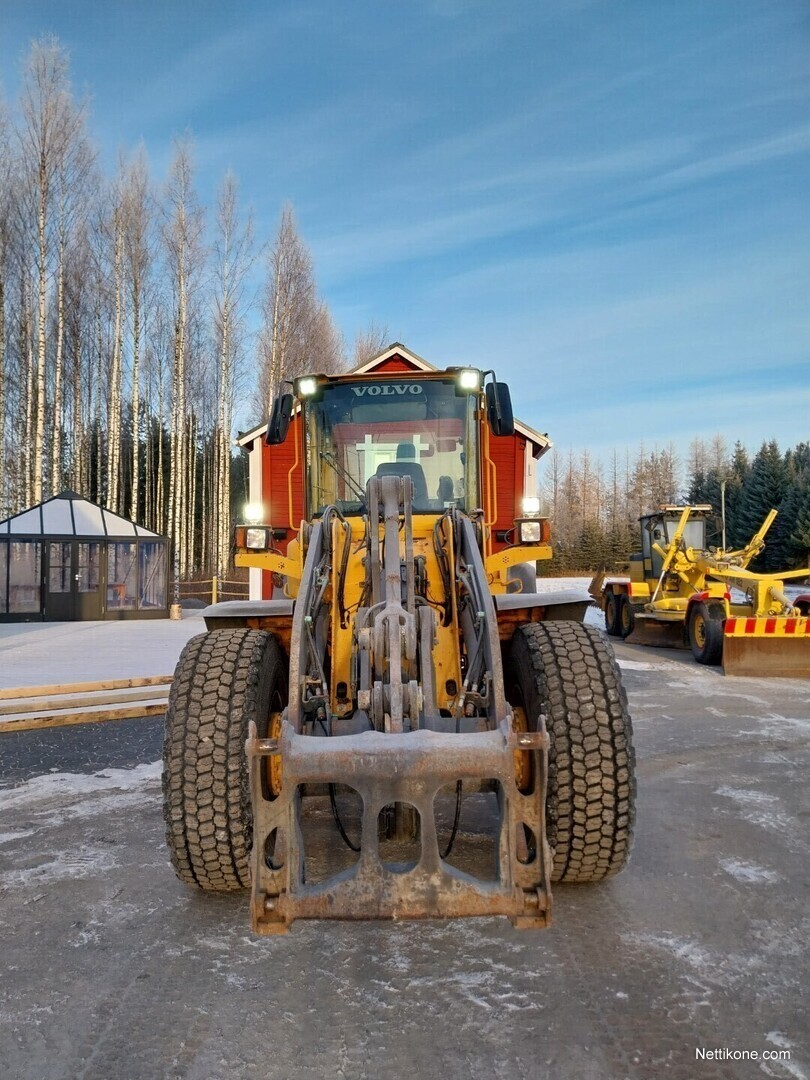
(607, 201)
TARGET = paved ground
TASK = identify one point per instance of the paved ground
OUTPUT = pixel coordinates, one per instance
(111, 968)
(42, 654)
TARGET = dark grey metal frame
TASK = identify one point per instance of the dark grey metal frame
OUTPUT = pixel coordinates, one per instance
(104, 540)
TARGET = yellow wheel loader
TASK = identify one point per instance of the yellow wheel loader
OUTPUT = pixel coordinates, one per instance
(404, 691)
(679, 594)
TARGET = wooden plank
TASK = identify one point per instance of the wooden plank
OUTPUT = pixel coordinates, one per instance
(75, 701)
(84, 687)
(31, 723)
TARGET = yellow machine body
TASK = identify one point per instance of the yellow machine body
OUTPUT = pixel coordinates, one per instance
(675, 589)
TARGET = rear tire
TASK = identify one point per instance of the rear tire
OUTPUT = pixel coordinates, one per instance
(611, 614)
(223, 680)
(567, 672)
(626, 617)
(706, 633)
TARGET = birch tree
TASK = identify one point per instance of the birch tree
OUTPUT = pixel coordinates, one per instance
(233, 259)
(138, 252)
(183, 240)
(369, 343)
(50, 124)
(6, 175)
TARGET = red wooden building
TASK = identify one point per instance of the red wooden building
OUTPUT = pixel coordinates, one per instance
(515, 458)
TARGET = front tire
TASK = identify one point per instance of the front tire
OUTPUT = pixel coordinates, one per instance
(223, 680)
(567, 672)
(706, 633)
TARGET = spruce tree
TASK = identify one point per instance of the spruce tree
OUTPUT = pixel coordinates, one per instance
(799, 543)
(740, 469)
(763, 490)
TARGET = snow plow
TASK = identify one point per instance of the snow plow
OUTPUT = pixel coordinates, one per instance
(680, 594)
(405, 676)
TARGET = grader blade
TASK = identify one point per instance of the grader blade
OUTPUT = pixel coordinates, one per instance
(774, 647)
(648, 630)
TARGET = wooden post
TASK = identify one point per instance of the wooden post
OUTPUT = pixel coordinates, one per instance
(214, 589)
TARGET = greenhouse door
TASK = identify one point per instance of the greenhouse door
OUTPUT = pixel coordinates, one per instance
(87, 581)
(73, 585)
(59, 600)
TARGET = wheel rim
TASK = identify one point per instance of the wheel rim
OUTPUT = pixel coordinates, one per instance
(625, 617)
(523, 758)
(274, 776)
(700, 631)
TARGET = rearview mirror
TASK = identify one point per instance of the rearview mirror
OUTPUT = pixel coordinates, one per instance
(499, 408)
(279, 422)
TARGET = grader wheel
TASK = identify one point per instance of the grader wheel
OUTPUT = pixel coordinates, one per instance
(626, 617)
(566, 672)
(224, 679)
(612, 613)
(706, 633)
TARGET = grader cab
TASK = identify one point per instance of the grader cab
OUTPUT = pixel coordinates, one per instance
(465, 740)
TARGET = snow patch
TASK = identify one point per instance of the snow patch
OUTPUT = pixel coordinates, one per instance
(68, 865)
(749, 872)
(690, 952)
(747, 796)
(60, 785)
(634, 665)
(7, 837)
(778, 1038)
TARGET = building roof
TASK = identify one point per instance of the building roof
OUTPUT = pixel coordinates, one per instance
(69, 514)
(397, 349)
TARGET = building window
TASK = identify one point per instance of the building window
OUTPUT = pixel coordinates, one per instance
(24, 577)
(122, 572)
(3, 579)
(59, 567)
(152, 574)
(89, 563)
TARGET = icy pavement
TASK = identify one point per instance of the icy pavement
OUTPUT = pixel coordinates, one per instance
(111, 967)
(45, 654)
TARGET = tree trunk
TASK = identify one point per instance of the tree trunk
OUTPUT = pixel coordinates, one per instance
(42, 269)
(136, 404)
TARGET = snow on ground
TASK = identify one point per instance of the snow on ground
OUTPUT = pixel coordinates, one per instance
(60, 787)
(44, 654)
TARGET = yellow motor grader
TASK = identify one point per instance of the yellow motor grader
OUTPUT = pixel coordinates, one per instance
(677, 593)
(403, 677)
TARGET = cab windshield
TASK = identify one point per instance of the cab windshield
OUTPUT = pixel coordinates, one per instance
(421, 429)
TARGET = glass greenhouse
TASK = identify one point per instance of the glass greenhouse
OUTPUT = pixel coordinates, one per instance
(70, 559)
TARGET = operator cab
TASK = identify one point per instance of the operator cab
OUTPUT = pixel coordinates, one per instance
(426, 428)
(660, 528)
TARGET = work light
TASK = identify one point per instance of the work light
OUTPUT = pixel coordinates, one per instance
(530, 532)
(307, 386)
(469, 379)
(257, 539)
(254, 512)
(530, 505)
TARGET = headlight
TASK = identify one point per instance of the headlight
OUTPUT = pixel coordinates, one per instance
(257, 539)
(254, 512)
(469, 379)
(307, 386)
(530, 532)
(531, 505)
